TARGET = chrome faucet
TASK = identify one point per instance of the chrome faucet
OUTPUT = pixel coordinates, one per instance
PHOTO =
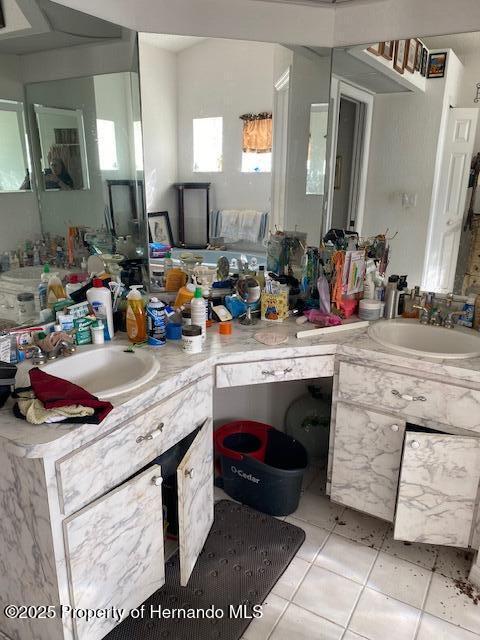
(39, 356)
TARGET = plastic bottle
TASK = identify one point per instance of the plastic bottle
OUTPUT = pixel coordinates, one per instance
(136, 317)
(167, 263)
(468, 312)
(14, 261)
(43, 286)
(55, 290)
(100, 298)
(185, 295)
(156, 322)
(73, 284)
(199, 312)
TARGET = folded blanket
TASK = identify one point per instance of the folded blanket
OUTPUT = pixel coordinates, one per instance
(55, 392)
(35, 413)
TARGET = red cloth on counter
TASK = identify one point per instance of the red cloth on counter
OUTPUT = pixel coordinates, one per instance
(56, 392)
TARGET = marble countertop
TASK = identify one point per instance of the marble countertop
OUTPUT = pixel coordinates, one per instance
(178, 369)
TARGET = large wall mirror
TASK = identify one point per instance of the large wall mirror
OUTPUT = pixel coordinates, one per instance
(235, 142)
(404, 155)
(71, 158)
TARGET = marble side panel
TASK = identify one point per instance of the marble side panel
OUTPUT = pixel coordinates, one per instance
(446, 403)
(27, 565)
(235, 375)
(366, 460)
(438, 488)
(102, 464)
(115, 552)
(195, 499)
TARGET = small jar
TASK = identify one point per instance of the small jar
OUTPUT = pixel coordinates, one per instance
(26, 307)
(98, 333)
(192, 338)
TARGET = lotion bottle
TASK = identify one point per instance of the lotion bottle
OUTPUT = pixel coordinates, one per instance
(100, 299)
(199, 312)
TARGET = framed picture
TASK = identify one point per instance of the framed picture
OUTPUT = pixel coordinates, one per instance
(418, 61)
(338, 173)
(436, 65)
(411, 55)
(424, 62)
(159, 229)
(388, 49)
(399, 55)
(376, 49)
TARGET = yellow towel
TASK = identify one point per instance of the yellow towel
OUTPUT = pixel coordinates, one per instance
(35, 412)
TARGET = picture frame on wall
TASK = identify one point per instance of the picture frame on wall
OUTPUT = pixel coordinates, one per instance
(424, 62)
(399, 56)
(376, 49)
(418, 61)
(411, 55)
(388, 49)
(159, 228)
(437, 63)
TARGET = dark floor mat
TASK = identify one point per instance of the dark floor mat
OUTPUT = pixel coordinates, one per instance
(245, 554)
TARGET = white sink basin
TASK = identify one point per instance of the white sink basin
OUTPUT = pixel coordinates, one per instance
(410, 337)
(106, 371)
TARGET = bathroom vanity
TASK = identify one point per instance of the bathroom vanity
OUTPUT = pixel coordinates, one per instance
(81, 510)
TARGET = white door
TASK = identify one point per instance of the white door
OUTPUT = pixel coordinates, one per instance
(195, 499)
(448, 202)
(115, 551)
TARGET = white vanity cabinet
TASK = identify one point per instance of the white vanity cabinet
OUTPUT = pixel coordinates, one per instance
(94, 517)
(407, 449)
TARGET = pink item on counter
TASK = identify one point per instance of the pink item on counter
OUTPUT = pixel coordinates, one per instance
(322, 319)
(348, 306)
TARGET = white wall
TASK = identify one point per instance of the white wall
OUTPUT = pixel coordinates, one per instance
(309, 84)
(158, 86)
(403, 150)
(225, 78)
(19, 218)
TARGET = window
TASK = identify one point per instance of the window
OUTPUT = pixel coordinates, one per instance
(107, 145)
(137, 141)
(207, 145)
(256, 162)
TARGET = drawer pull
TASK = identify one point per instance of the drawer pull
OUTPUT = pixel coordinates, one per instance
(395, 427)
(405, 396)
(280, 372)
(415, 444)
(189, 473)
(151, 435)
(157, 481)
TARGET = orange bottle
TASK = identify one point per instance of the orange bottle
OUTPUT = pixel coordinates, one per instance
(136, 319)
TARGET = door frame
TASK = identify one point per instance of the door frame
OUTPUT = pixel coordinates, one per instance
(281, 107)
(341, 89)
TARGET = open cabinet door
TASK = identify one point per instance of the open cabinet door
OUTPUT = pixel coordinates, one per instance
(438, 489)
(195, 499)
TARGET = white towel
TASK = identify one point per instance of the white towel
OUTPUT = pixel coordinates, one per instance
(241, 224)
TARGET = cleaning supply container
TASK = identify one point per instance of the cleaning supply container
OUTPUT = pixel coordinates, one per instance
(261, 466)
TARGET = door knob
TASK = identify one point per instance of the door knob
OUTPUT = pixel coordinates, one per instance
(157, 481)
(415, 444)
(395, 427)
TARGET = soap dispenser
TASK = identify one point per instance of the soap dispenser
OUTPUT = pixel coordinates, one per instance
(136, 318)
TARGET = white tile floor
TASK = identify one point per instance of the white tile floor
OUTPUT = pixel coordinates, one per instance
(351, 580)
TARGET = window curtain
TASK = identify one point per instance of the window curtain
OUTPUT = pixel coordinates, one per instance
(257, 132)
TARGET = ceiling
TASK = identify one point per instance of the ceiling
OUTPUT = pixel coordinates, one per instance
(171, 42)
(48, 25)
(461, 43)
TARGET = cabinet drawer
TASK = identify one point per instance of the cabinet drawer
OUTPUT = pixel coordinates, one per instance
(245, 373)
(410, 396)
(89, 472)
(366, 460)
(438, 489)
(114, 551)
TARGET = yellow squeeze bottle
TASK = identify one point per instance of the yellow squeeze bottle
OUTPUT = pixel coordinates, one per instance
(136, 319)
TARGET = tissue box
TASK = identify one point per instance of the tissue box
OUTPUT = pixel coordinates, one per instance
(274, 306)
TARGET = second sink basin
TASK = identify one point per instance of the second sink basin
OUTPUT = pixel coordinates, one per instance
(410, 337)
(107, 371)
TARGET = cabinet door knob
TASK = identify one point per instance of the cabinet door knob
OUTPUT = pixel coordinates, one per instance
(395, 427)
(415, 444)
(409, 398)
(157, 481)
(151, 435)
(189, 473)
